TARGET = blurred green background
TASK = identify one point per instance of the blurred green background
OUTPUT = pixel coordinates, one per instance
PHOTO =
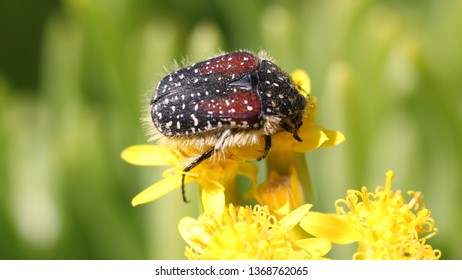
(75, 77)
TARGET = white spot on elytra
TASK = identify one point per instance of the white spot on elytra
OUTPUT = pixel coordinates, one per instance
(173, 108)
(250, 108)
(178, 125)
(169, 124)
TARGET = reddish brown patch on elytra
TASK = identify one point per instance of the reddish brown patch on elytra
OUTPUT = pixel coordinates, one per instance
(228, 64)
(238, 106)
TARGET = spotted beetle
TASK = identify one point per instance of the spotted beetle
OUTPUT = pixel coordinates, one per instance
(235, 99)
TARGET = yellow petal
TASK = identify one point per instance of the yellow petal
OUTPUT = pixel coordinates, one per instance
(316, 246)
(213, 200)
(145, 155)
(312, 139)
(250, 170)
(334, 138)
(283, 210)
(157, 190)
(302, 80)
(329, 226)
(295, 216)
(189, 228)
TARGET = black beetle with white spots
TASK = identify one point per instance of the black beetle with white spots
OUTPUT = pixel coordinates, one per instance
(228, 101)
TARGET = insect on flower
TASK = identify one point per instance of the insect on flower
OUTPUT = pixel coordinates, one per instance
(233, 100)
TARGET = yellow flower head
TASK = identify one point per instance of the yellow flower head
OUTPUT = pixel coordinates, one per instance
(249, 233)
(211, 176)
(388, 227)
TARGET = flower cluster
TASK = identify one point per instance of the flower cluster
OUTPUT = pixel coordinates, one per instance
(246, 232)
(280, 224)
(382, 223)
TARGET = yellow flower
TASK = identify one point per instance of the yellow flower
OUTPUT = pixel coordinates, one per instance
(383, 224)
(249, 233)
(212, 176)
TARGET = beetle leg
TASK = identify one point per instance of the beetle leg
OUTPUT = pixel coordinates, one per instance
(290, 129)
(203, 157)
(193, 164)
(267, 147)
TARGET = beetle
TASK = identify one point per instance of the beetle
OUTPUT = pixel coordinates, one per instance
(235, 99)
